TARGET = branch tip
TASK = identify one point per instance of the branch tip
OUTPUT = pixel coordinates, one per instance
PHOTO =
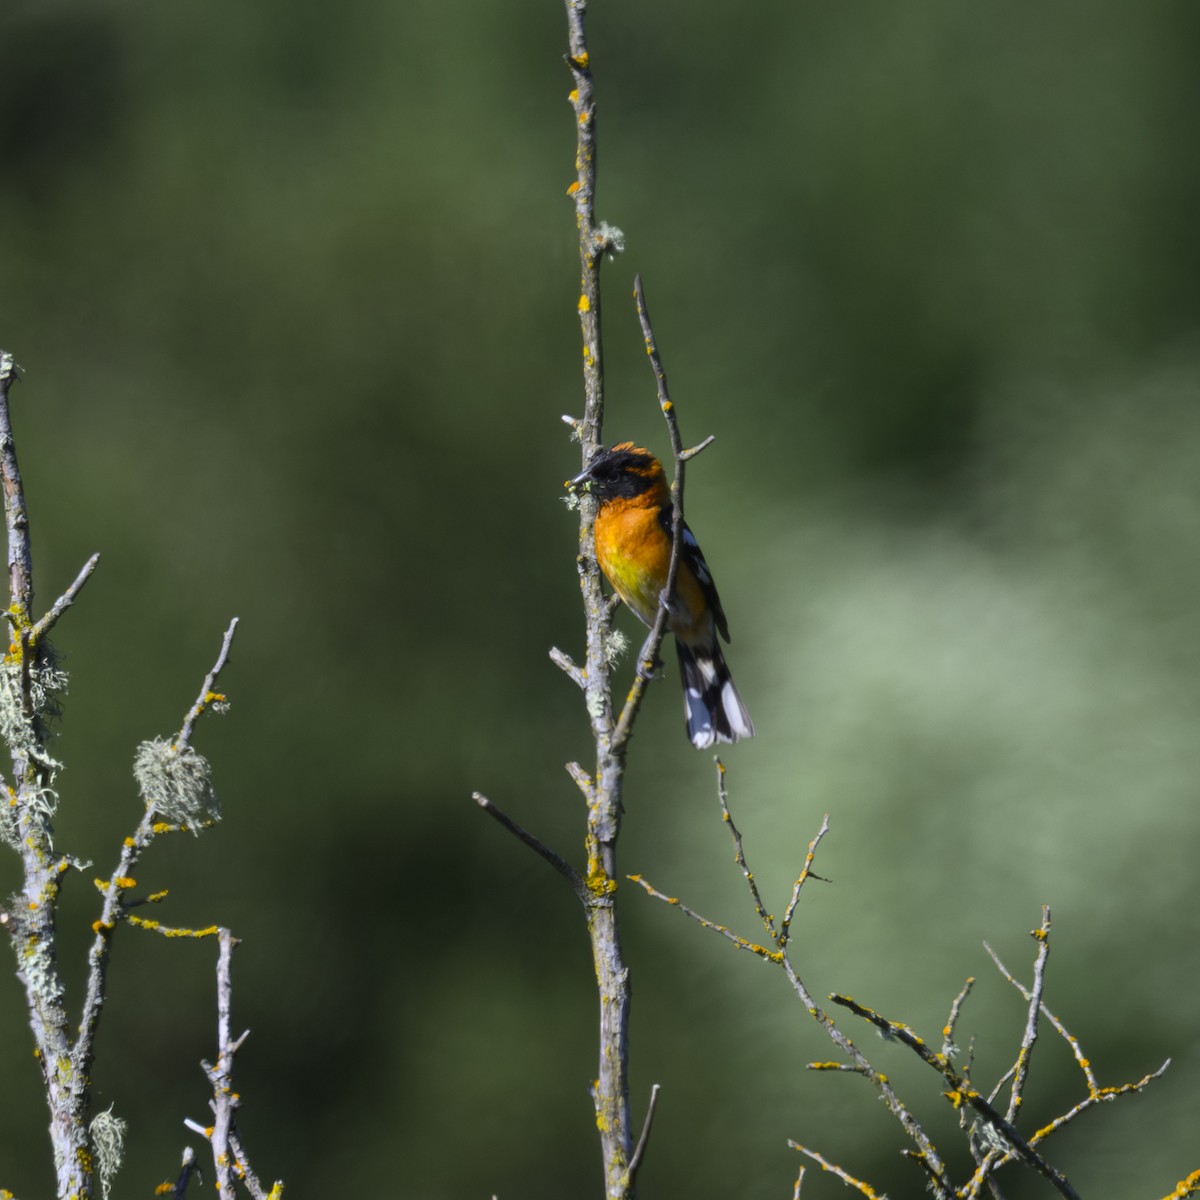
(535, 844)
(639, 1153)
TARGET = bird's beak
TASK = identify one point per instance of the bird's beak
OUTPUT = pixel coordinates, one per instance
(580, 483)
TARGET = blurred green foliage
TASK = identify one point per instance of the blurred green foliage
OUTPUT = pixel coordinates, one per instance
(293, 285)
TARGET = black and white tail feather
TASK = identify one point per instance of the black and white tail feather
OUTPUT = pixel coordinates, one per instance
(715, 712)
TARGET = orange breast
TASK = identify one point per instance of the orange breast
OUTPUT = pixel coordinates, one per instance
(634, 553)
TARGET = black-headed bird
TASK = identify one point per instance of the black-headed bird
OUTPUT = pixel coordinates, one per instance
(633, 548)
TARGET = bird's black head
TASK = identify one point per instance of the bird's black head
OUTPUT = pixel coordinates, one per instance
(624, 471)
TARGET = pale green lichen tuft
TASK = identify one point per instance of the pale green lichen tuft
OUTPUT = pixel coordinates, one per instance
(612, 238)
(108, 1138)
(176, 784)
(615, 645)
(27, 701)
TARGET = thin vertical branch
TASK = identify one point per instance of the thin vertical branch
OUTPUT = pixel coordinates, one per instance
(610, 1091)
(648, 656)
(1021, 1067)
(34, 928)
(221, 1075)
(592, 242)
(16, 518)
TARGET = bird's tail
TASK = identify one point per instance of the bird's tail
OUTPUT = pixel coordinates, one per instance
(714, 710)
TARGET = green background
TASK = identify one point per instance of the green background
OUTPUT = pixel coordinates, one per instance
(294, 288)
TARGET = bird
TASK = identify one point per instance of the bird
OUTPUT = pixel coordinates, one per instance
(633, 537)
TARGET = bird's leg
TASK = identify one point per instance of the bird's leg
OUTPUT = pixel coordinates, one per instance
(650, 670)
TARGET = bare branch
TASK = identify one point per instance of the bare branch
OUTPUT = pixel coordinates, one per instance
(962, 1093)
(865, 1188)
(1021, 1067)
(806, 873)
(648, 656)
(115, 905)
(207, 695)
(636, 1161)
(567, 665)
(583, 780)
(1084, 1063)
(859, 1063)
(16, 516)
(557, 861)
(948, 1046)
(65, 601)
(740, 942)
(740, 857)
(229, 1157)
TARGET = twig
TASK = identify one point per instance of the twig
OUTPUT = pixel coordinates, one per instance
(740, 942)
(207, 695)
(1021, 1067)
(859, 1063)
(229, 1157)
(557, 861)
(806, 873)
(648, 655)
(245, 1174)
(961, 1092)
(65, 601)
(1084, 1063)
(740, 856)
(948, 1047)
(583, 780)
(834, 1169)
(16, 517)
(567, 665)
(1101, 1096)
(115, 907)
(592, 243)
(636, 1161)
